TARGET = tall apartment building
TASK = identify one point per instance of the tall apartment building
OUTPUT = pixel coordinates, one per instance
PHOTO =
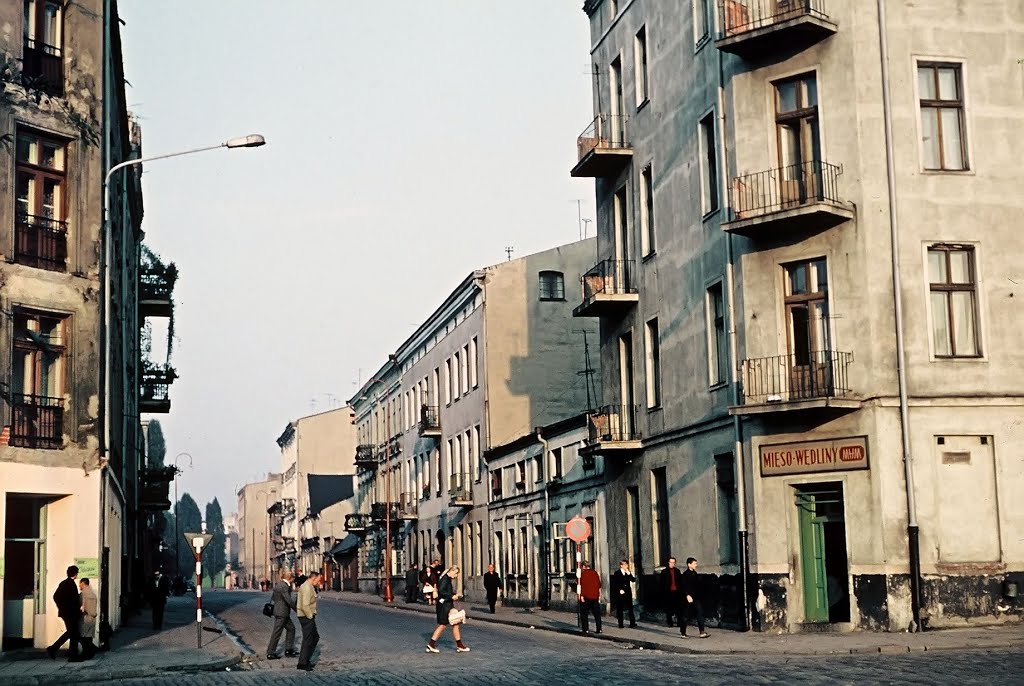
(254, 525)
(72, 485)
(500, 356)
(768, 409)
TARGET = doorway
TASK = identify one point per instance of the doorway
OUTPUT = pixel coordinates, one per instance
(25, 594)
(823, 558)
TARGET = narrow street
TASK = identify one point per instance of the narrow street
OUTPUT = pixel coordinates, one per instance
(371, 645)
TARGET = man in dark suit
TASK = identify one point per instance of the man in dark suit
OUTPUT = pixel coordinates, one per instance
(69, 609)
(284, 603)
(412, 583)
(691, 588)
(622, 593)
(159, 589)
(492, 583)
(672, 592)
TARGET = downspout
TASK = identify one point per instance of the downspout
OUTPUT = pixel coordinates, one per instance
(545, 586)
(913, 542)
(737, 427)
(104, 384)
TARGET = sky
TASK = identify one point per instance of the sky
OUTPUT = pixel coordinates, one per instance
(408, 143)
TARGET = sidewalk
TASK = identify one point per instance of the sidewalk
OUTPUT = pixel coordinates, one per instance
(137, 651)
(728, 642)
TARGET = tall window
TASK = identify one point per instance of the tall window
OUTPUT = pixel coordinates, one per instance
(807, 309)
(728, 518)
(701, 20)
(647, 212)
(659, 514)
(556, 463)
(474, 361)
(709, 164)
(640, 59)
(943, 137)
(954, 306)
(796, 123)
(653, 366)
(618, 112)
(718, 356)
(40, 206)
(448, 390)
(476, 453)
(43, 55)
(464, 369)
(456, 375)
(37, 380)
(552, 285)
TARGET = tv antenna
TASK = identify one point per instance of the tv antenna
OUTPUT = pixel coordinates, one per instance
(588, 371)
(508, 252)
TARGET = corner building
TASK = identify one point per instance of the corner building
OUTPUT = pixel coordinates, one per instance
(753, 410)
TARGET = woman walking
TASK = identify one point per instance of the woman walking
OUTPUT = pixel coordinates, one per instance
(446, 597)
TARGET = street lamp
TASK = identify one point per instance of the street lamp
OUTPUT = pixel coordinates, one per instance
(177, 470)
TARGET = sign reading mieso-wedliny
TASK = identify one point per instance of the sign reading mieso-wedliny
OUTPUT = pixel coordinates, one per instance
(840, 454)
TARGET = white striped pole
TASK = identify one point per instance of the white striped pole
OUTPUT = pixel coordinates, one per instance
(199, 601)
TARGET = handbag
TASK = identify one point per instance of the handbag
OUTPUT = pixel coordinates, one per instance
(427, 589)
(268, 609)
(456, 616)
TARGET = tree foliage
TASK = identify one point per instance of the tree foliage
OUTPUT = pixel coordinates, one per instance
(156, 446)
(189, 519)
(215, 556)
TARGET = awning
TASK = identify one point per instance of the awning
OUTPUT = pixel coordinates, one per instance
(345, 545)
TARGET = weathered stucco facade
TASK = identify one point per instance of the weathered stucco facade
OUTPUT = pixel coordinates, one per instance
(255, 548)
(765, 260)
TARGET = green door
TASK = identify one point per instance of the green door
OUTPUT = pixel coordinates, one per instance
(812, 559)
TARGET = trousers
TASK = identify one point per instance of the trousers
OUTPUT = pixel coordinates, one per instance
(288, 626)
(310, 638)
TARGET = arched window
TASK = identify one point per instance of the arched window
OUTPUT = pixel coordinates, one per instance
(552, 285)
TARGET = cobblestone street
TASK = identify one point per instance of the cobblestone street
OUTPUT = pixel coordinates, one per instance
(370, 645)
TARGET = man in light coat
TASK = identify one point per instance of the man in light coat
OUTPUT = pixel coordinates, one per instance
(87, 628)
(306, 611)
(284, 603)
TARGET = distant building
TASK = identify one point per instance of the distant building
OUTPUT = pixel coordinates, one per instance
(257, 530)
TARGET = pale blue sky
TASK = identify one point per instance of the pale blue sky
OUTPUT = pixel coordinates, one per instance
(408, 143)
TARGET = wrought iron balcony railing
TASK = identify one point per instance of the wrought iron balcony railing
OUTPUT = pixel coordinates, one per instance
(614, 424)
(379, 512)
(430, 421)
(41, 242)
(741, 16)
(365, 456)
(784, 188)
(789, 378)
(609, 277)
(156, 286)
(461, 489)
(154, 394)
(37, 421)
(43, 68)
(408, 506)
(604, 147)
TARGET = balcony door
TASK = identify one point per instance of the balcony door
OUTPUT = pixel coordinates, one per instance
(623, 254)
(809, 343)
(799, 139)
(622, 424)
(617, 124)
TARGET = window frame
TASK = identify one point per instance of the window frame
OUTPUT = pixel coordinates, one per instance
(948, 287)
(35, 218)
(717, 336)
(652, 363)
(959, 104)
(551, 285)
(648, 240)
(703, 23)
(641, 63)
(707, 139)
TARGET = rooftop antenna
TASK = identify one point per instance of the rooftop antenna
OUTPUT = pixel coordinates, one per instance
(579, 219)
(588, 371)
(586, 223)
(508, 252)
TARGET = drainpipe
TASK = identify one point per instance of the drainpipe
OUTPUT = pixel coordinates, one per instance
(737, 427)
(913, 541)
(545, 587)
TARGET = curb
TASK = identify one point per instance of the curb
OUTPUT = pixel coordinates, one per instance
(84, 677)
(889, 649)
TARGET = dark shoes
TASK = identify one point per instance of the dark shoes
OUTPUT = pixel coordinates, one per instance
(305, 668)
(291, 653)
(52, 652)
(633, 625)
(272, 656)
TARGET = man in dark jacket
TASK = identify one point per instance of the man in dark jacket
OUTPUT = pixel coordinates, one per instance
(590, 597)
(672, 592)
(492, 582)
(284, 604)
(622, 592)
(691, 586)
(412, 583)
(159, 589)
(69, 609)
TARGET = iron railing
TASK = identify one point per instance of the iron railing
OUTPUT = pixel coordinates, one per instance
(40, 242)
(156, 284)
(43, 68)
(156, 384)
(365, 456)
(740, 16)
(607, 131)
(804, 376)
(784, 188)
(37, 421)
(609, 277)
(461, 488)
(408, 505)
(379, 511)
(613, 423)
(430, 419)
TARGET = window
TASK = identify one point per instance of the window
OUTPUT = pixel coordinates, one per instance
(954, 307)
(647, 242)
(457, 367)
(709, 164)
(556, 463)
(653, 367)
(613, 9)
(728, 518)
(37, 380)
(943, 137)
(806, 302)
(718, 355)
(521, 476)
(552, 285)
(464, 369)
(448, 389)
(476, 452)
(796, 123)
(40, 227)
(43, 64)
(538, 468)
(659, 514)
(618, 123)
(437, 471)
(474, 361)
(701, 20)
(496, 490)
(640, 58)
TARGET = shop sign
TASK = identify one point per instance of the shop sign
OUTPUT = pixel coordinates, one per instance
(837, 455)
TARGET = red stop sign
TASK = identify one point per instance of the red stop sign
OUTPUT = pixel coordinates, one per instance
(578, 529)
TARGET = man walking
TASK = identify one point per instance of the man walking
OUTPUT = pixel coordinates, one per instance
(87, 629)
(306, 611)
(622, 592)
(159, 589)
(412, 583)
(691, 583)
(69, 609)
(590, 597)
(492, 582)
(672, 592)
(284, 603)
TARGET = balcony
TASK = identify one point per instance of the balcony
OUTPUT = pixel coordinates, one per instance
(461, 490)
(808, 381)
(613, 429)
(357, 523)
(365, 456)
(603, 149)
(379, 512)
(156, 285)
(41, 242)
(430, 421)
(609, 289)
(36, 422)
(408, 506)
(43, 68)
(755, 29)
(778, 203)
(155, 485)
(154, 395)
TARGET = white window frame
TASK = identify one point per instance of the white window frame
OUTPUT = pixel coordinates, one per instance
(652, 363)
(709, 322)
(708, 177)
(968, 132)
(642, 67)
(648, 241)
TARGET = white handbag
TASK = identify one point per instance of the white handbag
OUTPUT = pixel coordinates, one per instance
(456, 616)
(427, 589)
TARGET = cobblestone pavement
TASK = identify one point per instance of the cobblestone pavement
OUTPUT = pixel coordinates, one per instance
(371, 645)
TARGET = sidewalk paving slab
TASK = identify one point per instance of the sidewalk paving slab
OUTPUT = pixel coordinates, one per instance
(728, 642)
(137, 651)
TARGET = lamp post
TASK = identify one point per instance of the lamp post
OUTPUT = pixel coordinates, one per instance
(177, 470)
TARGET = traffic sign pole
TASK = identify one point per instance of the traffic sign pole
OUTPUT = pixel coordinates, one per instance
(578, 529)
(198, 542)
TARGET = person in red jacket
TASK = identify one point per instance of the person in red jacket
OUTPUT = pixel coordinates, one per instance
(590, 597)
